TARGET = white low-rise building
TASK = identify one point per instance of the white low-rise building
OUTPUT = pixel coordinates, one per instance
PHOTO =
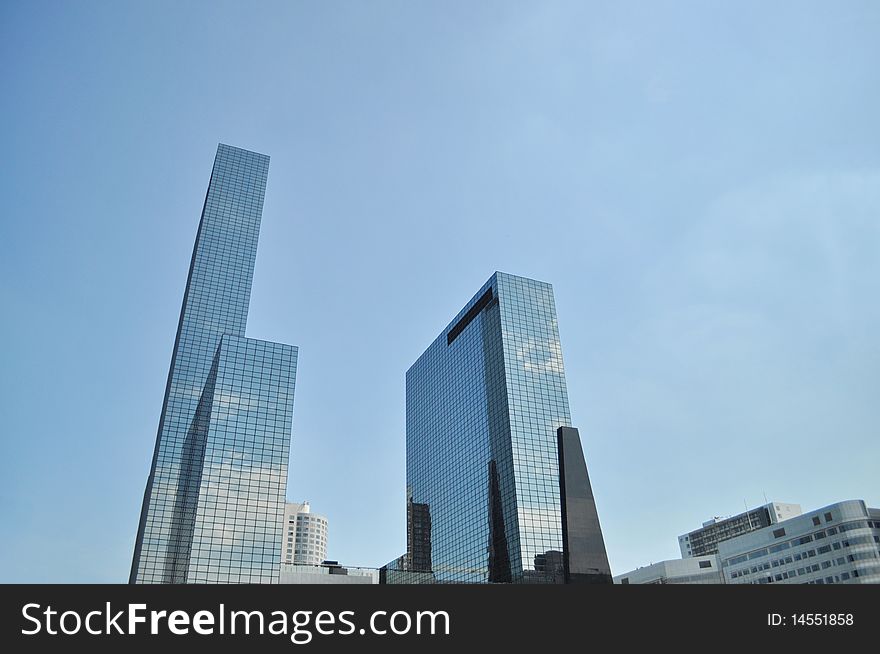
(836, 544)
(328, 573)
(704, 541)
(694, 570)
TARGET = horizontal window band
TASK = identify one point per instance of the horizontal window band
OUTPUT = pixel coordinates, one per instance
(466, 319)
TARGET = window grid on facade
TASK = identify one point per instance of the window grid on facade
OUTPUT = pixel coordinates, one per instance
(215, 494)
(483, 405)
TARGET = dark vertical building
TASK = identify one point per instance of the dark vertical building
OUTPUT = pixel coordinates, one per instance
(584, 560)
(483, 406)
(418, 525)
(214, 499)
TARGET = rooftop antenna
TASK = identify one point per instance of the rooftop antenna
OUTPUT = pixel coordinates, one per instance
(748, 514)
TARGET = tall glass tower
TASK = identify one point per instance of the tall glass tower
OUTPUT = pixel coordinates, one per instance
(215, 497)
(486, 494)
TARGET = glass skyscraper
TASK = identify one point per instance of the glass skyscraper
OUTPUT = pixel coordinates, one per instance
(215, 496)
(484, 405)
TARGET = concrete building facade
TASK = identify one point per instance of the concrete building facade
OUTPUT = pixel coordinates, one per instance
(839, 543)
(694, 570)
(704, 541)
(304, 540)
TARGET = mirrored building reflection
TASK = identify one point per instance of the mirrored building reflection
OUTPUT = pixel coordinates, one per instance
(484, 404)
(214, 500)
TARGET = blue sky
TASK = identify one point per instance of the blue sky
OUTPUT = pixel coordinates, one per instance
(700, 181)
